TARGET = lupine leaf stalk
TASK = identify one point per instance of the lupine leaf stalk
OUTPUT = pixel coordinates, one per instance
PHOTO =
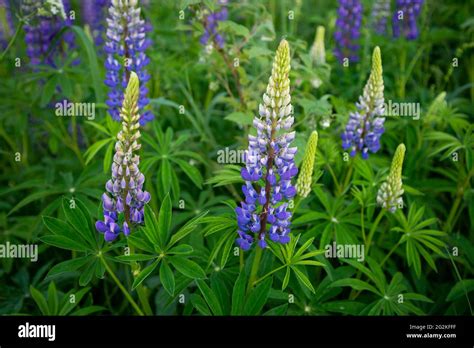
(390, 193)
(305, 177)
(125, 199)
(365, 126)
(269, 163)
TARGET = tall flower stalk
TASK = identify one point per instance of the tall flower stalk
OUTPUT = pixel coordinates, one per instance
(305, 178)
(404, 18)
(269, 163)
(365, 126)
(347, 34)
(125, 199)
(390, 193)
(125, 48)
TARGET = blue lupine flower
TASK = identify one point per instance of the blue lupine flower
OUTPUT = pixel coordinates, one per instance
(211, 22)
(269, 163)
(94, 13)
(125, 48)
(379, 16)
(348, 30)
(365, 126)
(404, 18)
(125, 195)
(48, 19)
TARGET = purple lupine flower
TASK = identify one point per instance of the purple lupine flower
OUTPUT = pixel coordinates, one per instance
(379, 16)
(211, 21)
(124, 192)
(269, 163)
(365, 126)
(94, 13)
(348, 30)
(125, 49)
(404, 18)
(6, 23)
(46, 22)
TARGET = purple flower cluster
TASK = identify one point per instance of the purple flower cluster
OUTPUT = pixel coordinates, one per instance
(365, 126)
(211, 22)
(94, 13)
(125, 49)
(6, 27)
(348, 30)
(380, 14)
(269, 164)
(404, 18)
(43, 27)
(125, 194)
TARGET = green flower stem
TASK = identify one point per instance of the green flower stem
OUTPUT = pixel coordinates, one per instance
(362, 224)
(255, 266)
(142, 296)
(372, 231)
(297, 202)
(124, 291)
(390, 252)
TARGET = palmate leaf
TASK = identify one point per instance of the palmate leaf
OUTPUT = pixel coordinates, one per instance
(419, 241)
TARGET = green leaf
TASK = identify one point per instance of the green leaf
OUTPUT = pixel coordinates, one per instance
(164, 220)
(182, 249)
(238, 294)
(187, 228)
(135, 257)
(52, 299)
(187, 267)
(144, 274)
(151, 227)
(277, 311)
(63, 243)
(93, 149)
(210, 297)
(67, 305)
(258, 297)
(192, 172)
(199, 303)
(68, 266)
(77, 218)
(40, 300)
(355, 284)
(48, 91)
(303, 278)
(167, 278)
(240, 118)
(165, 171)
(234, 28)
(88, 310)
(462, 288)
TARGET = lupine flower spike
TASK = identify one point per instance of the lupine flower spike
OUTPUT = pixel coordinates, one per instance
(347, 34)
(211, 22)
(125, 198)
(365, 125)
(269, 163)
(380, 14)
(404, 18)
(47, 20)
(318, 52)
(305, 178)
(125, 48)
(390, 193)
